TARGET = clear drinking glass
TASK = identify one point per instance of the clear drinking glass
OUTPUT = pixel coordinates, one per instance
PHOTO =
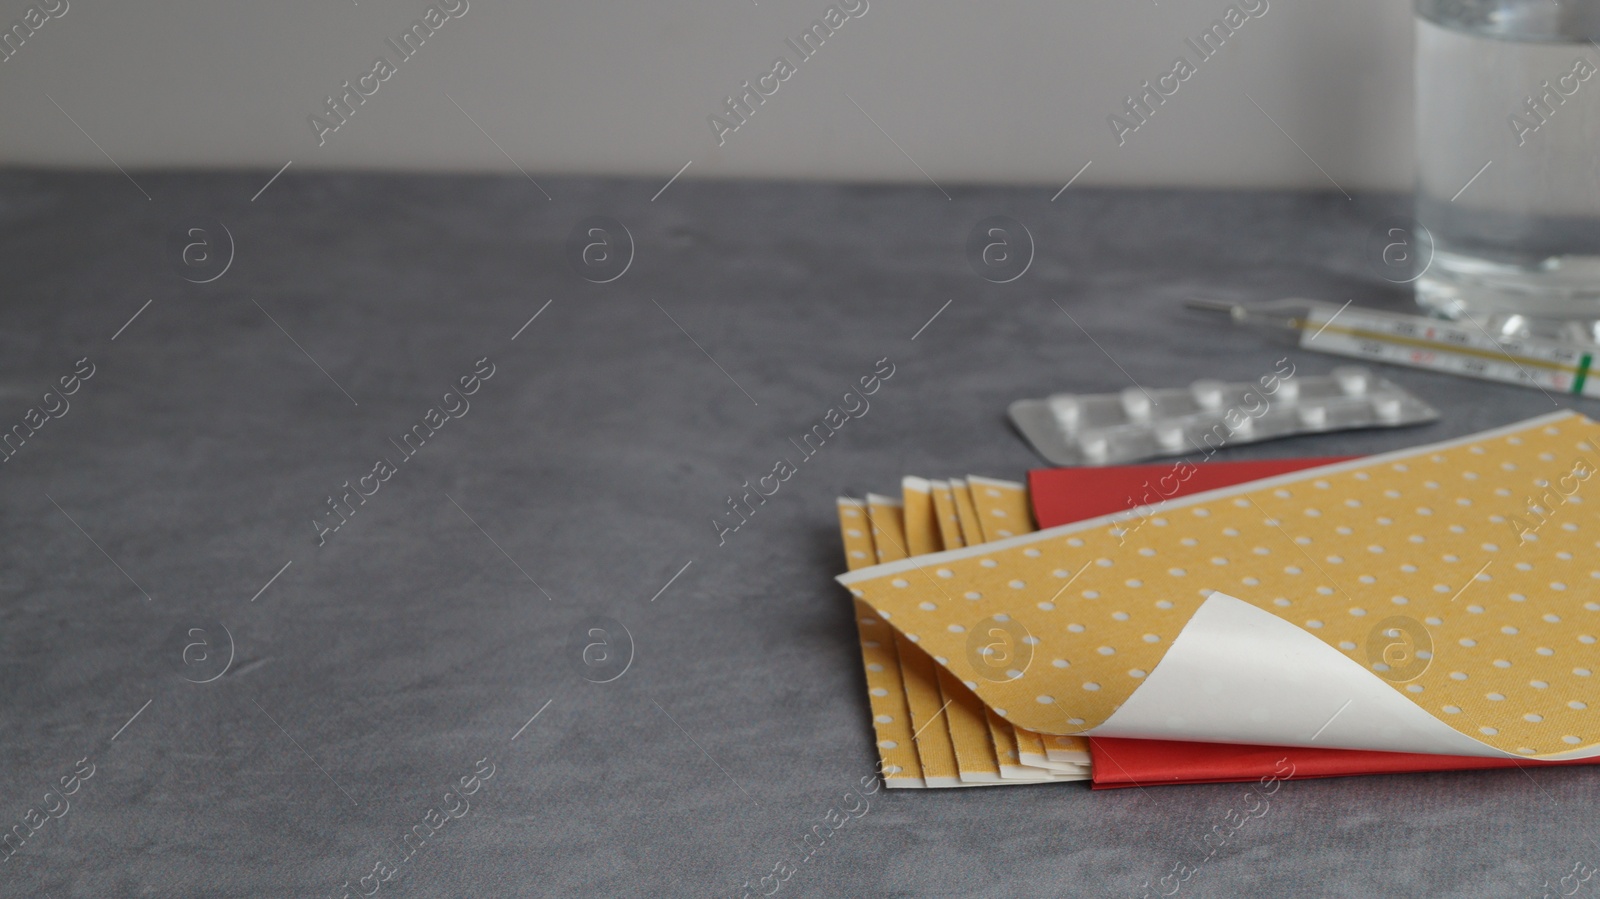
(1508, 162)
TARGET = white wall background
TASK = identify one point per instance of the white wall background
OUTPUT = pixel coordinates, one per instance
(1011, 91)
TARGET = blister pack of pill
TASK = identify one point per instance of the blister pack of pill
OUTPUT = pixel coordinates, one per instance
(1136, 423)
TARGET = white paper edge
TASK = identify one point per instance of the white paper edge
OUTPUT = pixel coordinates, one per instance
(995, 482)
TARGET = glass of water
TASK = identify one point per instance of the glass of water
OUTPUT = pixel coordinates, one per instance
(1508, 163)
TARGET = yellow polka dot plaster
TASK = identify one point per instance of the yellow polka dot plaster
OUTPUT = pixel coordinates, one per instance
(1489, 545)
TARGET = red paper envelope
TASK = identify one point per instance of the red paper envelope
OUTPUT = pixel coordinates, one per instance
(1065, 495)
(1137, 763)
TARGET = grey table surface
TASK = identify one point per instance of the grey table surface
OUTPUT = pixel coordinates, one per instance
(148, 528)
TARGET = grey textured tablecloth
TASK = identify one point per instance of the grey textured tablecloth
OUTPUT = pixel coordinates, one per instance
(378, 669)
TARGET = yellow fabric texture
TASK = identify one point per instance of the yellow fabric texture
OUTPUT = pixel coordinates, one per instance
(921, 518)
(967, 513)
(1486, 545)
(958, 740)
(976, 762)
(969, 731)
(891, 719)
(919, 678)
(1001, 508)
(944, 505)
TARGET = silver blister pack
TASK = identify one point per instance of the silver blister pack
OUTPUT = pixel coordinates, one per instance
(1136, 424)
